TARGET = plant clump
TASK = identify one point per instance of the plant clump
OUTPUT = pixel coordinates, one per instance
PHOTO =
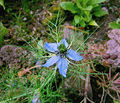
(84, 10)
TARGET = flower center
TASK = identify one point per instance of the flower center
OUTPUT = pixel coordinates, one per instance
(62, 48)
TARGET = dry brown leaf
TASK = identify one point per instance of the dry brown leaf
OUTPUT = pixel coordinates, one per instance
(23, 72)
(27, 70)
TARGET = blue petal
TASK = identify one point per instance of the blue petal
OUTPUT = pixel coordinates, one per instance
(51, 61)
(73, 55)
(36, 99)
(63, 41)
(52, 47)
(63, 66)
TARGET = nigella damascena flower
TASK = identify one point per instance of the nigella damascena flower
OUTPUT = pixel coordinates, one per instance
(62, 52)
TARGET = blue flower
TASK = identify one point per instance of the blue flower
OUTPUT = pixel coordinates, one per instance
(62, 52)
(36, 99)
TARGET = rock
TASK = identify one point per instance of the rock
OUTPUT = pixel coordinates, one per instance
(1, 62)
(108, 51)
(13, 56)
(113, 46)
(66, 31)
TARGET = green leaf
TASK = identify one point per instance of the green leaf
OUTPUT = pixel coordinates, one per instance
(69, 6)
(92, 2)
(82, 4)
(87, 17)
(114, 25)
(82, 23)
(3, 32)
(85, 2)
(99, 1)
(2, 4)
(79, 4)
(77, 19)
(89, 8)
(118, 21)
(116, 101)
(100, 12)
(93, 23)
